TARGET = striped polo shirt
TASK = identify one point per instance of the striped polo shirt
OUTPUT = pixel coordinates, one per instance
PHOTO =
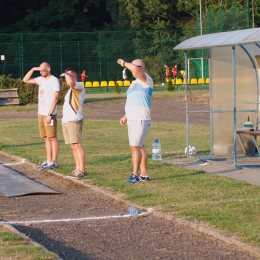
(138, 102)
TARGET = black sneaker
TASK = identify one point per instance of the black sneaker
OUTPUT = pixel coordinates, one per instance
(143, 178)
(133, 179)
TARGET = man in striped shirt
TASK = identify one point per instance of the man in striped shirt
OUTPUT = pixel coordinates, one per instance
(138, 116)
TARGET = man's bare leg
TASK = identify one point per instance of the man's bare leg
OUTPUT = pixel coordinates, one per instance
(136, 158)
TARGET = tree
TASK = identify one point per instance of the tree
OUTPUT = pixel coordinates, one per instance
(13, 11)
(152, 14)
(54, 15)
(91, 15)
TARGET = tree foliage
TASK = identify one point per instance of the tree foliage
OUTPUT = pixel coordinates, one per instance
(53, 15)
(144, 28)
(91, 15)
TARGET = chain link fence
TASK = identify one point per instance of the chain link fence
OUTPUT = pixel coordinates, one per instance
(97, 52)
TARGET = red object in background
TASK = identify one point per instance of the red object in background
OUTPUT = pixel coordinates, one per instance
(83, 75)
(174, 71)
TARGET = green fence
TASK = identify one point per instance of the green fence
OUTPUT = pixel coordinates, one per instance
(224, 20)
(97, 52)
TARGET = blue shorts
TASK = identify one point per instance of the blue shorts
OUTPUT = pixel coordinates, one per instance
(137, 131)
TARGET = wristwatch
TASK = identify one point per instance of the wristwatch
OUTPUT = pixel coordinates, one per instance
(50, 114)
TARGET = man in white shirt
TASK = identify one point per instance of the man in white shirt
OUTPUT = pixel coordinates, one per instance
(72, 120)
(48, 95)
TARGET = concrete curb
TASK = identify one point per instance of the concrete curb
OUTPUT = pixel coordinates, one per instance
(199, 227)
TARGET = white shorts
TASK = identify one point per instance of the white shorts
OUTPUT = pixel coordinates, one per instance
(137, 131)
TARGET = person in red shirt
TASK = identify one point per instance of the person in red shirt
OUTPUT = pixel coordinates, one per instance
(83, 76)
(174, 72)
(167, 72)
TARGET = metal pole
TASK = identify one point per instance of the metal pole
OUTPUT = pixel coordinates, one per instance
(99, 56)
(202, 68)
(186, 99)
(253, 15)
(210, 105)
(61, 69)
(22, 57)
(188, 69)
(235, 104)
(79, 67)
(200, 20)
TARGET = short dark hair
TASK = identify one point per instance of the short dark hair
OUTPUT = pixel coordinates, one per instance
(72, 69)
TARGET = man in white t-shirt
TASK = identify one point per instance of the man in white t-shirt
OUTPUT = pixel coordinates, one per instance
(138, 116)
(48, 95)
(72, 120)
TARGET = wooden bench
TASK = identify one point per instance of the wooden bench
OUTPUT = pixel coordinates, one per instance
(9, 97)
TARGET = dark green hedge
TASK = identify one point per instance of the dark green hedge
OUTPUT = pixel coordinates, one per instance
(28, 93)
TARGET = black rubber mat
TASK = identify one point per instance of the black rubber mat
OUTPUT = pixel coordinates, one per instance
(13, 184)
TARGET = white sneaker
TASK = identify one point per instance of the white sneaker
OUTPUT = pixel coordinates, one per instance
(50, 165)
(45, 163)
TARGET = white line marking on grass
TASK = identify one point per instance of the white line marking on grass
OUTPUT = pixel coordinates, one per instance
(9, 164)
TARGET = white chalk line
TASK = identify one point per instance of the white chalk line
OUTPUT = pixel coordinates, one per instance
(9, 164)
(27, 222)
(64, 220)
(214, 202)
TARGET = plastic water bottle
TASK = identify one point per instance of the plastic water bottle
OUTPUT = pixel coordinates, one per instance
(156, 150)
(132, 211)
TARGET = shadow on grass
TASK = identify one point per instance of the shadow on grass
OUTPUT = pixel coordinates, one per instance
(65, 252)
(174, 176)
(6, 146)
(182, 155)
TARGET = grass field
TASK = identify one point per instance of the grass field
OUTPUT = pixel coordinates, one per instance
(225, 204)
(13, 247)
(157, 88)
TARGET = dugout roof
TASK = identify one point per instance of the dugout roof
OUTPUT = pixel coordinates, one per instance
(240, 37)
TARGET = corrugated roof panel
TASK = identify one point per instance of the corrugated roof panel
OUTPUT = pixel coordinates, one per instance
(254, 37)
(221, 39)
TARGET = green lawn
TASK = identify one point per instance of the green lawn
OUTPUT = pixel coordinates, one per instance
(225, 204)
(157, 88)
(13, 247)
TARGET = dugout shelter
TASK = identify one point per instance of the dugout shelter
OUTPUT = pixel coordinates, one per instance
(234, 74)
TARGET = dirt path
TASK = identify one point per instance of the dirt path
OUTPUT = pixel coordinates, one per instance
(167, 110)
(113, 238)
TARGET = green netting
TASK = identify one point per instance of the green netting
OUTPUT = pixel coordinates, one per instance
(224, 20)
(198, 68)
(96, 52)
(212, 22)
